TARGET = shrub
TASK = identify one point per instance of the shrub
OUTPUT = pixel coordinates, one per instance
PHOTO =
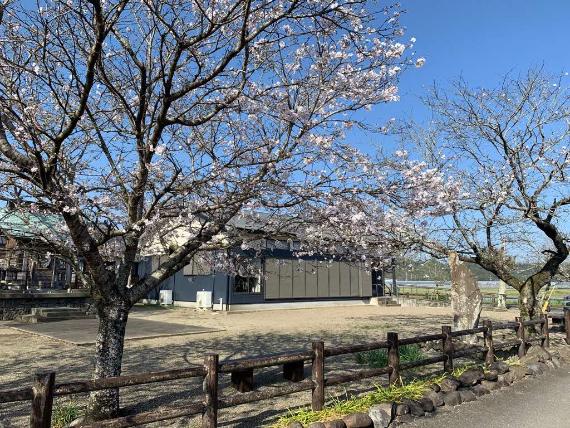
(379, 357)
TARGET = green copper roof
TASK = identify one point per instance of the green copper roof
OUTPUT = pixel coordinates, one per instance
(20, 224)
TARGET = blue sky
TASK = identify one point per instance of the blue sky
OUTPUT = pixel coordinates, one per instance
(481, 40)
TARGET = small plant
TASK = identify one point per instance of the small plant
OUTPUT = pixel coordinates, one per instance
(513, 361)
(375, 358)
(64, 413)
(410, 353)
(339, 408)
(379, 357)
(397, 393)
(458, 371)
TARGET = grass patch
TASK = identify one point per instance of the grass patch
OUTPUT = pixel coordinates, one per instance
(64, 413)
(458, 371)
(379, 357)
(339, 408)
(382, 326)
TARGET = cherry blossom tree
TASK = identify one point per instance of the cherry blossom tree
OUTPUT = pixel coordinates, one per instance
(122, 116)
(509, 148)
(379, 214)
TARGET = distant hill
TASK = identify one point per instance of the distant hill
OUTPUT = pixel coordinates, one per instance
(438, 270)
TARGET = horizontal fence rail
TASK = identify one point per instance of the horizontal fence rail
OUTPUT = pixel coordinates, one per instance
(443, 294)
(264, 361)
(421, 339)
(241, 370)
(131, 380)
(468, 331)
(352, 349)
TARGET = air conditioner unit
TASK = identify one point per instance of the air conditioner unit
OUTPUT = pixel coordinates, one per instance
(204, 299)
(165, 297)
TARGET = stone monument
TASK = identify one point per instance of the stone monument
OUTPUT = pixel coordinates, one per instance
(466, 298)
(502, 296)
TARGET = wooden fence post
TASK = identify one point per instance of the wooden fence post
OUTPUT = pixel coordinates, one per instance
(393, 357)
(567, 324)
(318, 375)
(488, 336)
(210, 416)
(447, 348)
(545, 343)
(42, 400)
(521, 336)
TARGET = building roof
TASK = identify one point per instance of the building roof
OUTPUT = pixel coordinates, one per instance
(29, 225)
(265, 223)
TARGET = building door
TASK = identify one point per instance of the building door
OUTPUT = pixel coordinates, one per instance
(377, 283)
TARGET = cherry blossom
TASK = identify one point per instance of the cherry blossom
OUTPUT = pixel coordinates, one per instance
(132, 120)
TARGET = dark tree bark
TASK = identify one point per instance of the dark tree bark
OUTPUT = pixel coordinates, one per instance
(108, 357)
(529, 288)
(528, 302)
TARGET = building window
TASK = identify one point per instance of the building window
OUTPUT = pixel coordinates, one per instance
(199, 265)
(294, 245)
(247, 284)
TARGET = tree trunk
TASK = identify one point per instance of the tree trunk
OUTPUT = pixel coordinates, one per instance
(528, 303)
(109, 354)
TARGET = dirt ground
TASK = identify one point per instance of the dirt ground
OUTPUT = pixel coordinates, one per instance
(244, 334)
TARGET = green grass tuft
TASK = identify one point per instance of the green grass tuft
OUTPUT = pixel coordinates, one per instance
(375, 358)
(379, 357)
(338, 408)
(458, 371)
(64, 413)
(513, 361)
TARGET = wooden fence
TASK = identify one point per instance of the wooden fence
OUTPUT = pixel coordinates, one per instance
(443, 294)
(44, 388)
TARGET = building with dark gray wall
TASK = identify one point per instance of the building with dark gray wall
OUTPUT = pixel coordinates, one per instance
(283, 278)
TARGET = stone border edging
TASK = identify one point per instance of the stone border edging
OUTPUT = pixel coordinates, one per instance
(472, 383)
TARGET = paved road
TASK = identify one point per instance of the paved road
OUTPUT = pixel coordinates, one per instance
(541, 402)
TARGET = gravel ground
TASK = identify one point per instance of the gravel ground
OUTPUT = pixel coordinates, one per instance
(245, 334)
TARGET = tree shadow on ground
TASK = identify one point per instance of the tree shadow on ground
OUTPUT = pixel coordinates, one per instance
(75, 363)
